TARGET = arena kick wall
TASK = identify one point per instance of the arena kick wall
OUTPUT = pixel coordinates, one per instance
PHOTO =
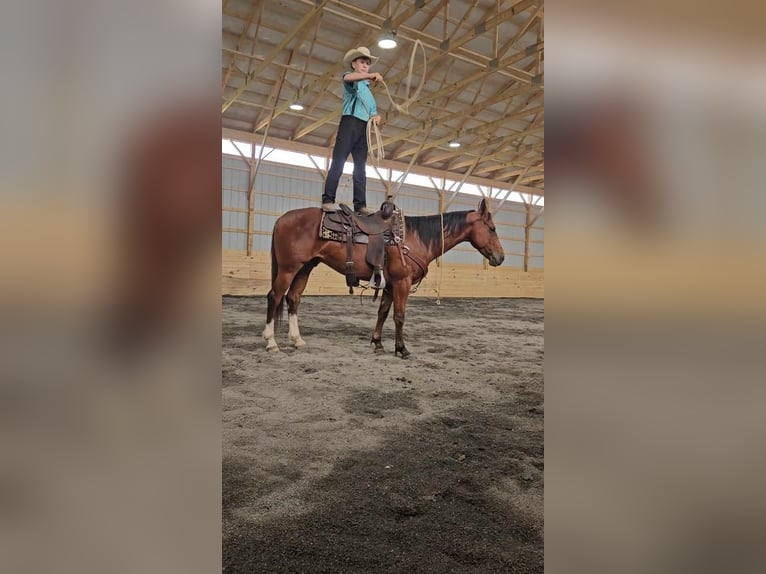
(279, 188)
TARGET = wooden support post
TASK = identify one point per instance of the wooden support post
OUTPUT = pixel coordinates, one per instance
(250, 208)
(252, 170)
(527, 227)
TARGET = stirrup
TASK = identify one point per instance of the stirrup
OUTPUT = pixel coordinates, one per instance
(377, 281)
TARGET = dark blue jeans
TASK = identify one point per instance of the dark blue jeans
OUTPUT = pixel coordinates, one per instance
(352, 139)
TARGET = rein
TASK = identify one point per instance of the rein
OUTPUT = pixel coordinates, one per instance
(441, 262)
(424, 265)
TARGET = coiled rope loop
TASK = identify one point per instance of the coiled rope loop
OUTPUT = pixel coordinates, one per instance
(376, 152)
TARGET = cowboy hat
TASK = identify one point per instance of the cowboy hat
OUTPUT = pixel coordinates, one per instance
(360, 52)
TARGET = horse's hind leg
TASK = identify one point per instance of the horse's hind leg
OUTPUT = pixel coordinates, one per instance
(385, 307)
(294, 299)
(275, 301)
(268, 330)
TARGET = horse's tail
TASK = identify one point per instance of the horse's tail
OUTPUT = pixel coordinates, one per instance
(274, 264)
(274, 311)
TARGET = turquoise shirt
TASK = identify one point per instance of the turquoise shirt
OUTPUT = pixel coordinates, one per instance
(365, 102)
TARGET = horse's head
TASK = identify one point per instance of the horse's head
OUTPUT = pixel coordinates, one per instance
(483, 236)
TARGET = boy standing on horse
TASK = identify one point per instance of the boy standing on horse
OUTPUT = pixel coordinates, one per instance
(359, 107)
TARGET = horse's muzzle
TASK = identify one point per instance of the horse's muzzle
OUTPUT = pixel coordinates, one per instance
(496, 260)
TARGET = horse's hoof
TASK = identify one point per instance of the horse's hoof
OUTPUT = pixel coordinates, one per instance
(299, 344)
(403, 352)
(378, 346)
(272, 348)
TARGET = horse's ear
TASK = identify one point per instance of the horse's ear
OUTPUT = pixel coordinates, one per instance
(483, 207)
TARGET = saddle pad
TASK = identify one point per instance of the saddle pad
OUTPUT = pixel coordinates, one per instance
(332, 235)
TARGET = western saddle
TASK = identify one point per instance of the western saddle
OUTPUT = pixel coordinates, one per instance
(384, 227)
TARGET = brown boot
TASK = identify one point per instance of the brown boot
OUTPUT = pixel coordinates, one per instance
(329, 207)
(365, 211)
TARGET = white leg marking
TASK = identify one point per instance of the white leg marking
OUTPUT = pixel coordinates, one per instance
(268, 331)
(294, 332)
(268, 334)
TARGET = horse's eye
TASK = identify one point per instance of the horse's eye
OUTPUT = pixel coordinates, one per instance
(492, 228)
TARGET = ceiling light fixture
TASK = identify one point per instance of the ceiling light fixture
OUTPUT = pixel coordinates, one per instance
(454, 143)
(296, 107)
(387, 39)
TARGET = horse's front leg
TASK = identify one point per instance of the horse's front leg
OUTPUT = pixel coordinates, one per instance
(401, 290)
(294, 300)
(385, 306)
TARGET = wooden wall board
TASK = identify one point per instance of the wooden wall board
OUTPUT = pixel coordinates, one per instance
(251, 275)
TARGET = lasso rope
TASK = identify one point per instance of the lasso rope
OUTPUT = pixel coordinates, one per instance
(405, 107)
(376, 152)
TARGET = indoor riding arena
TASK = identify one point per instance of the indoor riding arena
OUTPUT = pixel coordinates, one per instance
(339, 456)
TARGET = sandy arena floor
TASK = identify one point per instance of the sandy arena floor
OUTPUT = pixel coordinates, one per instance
(337, 459)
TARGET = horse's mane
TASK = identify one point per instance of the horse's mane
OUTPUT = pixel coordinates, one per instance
(429, 228)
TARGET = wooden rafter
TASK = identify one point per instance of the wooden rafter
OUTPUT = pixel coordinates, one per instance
(327, 79)
(504, 65)
(339, 66)
(375, 21)
(481, 130)
(274, 52)
(257, 10)
(487, 93)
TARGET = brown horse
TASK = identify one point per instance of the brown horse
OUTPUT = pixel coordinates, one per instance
(296, 249)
